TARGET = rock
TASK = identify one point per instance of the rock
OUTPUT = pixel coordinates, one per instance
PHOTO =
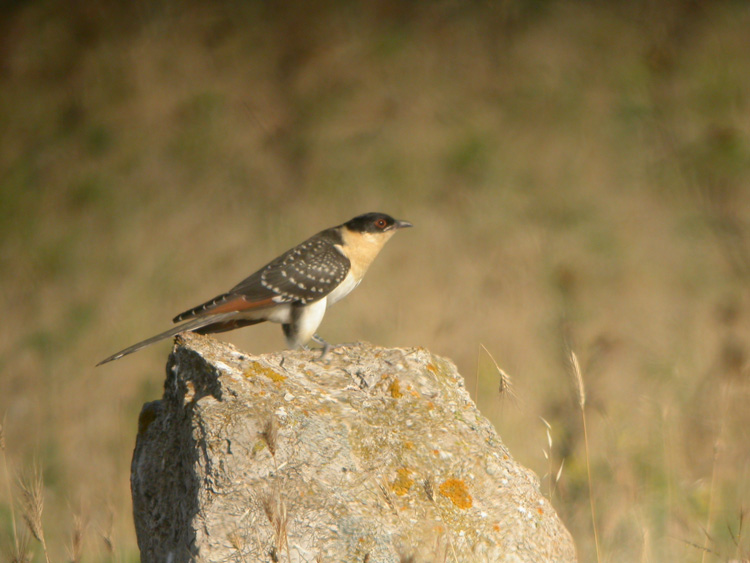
(374, 455)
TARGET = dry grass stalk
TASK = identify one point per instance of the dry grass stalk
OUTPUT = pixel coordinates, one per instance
(276, 512)
(548, 456)
(107, 535)
(32, 503)
(429, 489)
(737, 539)
(582, 405)
(703, 549)
(558, 474)
(740, 553)
(506, 382)
(385, 490)
(718, 443)
(271, 435)
(551, 482)
(16, 541)
(75, 549)
(579, 380)
(237, 541)
(19, 551)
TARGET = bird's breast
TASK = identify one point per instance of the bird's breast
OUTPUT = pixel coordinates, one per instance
(343, 289)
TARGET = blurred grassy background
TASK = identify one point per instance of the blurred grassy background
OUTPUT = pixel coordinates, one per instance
(577, 173)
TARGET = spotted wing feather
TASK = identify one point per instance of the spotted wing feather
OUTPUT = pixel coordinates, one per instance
(304, 274)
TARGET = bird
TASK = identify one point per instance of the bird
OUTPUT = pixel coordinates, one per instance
(294, 289)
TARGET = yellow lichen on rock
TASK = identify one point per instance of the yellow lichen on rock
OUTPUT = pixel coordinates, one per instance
(458, 493)
(402, 483)
(256, 368)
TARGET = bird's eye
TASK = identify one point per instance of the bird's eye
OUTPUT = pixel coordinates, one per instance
(381, 223)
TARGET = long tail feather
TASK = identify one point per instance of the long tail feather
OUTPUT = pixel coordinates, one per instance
(185, 327)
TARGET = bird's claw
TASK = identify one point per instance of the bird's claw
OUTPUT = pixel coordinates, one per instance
(326, 347)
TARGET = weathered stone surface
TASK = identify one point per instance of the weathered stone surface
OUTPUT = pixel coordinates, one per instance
(374, 455)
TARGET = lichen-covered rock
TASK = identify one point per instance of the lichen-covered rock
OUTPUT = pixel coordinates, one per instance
(372, 455)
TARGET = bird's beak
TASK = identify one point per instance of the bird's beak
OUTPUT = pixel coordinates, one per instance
(402, 224)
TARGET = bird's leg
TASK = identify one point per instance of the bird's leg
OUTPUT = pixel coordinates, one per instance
(291, 337)
(287, 328)
(326, 346)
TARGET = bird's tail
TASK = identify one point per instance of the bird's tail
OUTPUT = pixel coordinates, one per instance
(192, 325)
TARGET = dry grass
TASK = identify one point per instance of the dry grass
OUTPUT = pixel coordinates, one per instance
(32, 505)
(271, 435)
(552, 476)
(504, 380)
(78, 533)
(274, 507)
(577, 176)
(581, 393)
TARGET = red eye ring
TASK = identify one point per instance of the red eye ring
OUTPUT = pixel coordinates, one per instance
(381, 223)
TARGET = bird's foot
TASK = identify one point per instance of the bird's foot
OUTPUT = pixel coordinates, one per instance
(326, 347)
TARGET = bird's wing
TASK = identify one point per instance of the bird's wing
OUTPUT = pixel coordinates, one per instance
(306, 273)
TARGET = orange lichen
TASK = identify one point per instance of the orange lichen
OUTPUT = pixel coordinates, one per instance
(256, 368)
(432, 367)
(395, 389)
(402, 483)
(458, 493)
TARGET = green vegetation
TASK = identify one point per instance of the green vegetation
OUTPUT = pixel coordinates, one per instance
(578, 175)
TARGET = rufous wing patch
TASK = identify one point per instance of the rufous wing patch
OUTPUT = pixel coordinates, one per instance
(239, 303)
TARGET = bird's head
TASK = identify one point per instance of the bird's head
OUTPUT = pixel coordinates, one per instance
(375, 223)
(364, 237)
